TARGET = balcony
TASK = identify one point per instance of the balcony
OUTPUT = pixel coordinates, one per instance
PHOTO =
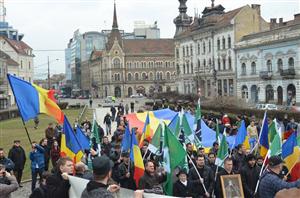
(288, 73)
(266, 75)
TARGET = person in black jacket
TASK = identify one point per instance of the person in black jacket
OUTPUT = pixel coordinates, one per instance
(17, 155)
(126, 170)
(250, 175)
(182, 187)
(228, 170)
(207, 177)
(239, 158)
(57, 184)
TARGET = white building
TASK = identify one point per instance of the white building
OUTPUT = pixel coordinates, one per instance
(268, 68)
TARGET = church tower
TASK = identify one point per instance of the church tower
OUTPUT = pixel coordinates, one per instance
(182, 21)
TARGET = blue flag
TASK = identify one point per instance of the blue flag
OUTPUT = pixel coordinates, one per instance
(82, 139)
(126, 142)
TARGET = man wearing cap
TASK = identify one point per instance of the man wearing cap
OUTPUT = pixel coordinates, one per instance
(182, 187)
(250, 175)
(126, 169)
(102, 168)
(17, 155)
(271, 183)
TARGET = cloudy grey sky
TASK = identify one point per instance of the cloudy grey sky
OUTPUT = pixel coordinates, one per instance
(49, 24)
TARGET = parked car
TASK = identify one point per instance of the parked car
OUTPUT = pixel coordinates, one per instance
(137, 95)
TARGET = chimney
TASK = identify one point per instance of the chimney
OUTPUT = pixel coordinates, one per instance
(273, 23)
(297, 17)
(256, 7)
(280, 22)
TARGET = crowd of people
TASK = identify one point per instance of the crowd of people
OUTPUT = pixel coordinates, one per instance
(108, 167)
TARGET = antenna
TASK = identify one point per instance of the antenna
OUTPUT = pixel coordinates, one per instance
(2, 11)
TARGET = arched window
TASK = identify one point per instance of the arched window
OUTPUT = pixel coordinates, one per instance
(177, 68)
(204, 63)
(224, 63)
(203, 45)
(209, 46)
(198, 48)
(279, 65)
(219, 64)
(117, 63)
(183, 51)
(223, 43)
(253, 68)
(291, 62)
(136, 76)
(187, 50)
(168, 76)
(245, 92)
(243, 69)
(144, 76)
(129, 76)
(198, 64)
(269, 65)
(209, 62)
(187, 67)
(160, 75)
(183, 68)
(191, 48)
(229, 41)
(229, 63)
(192, 68)
(219, 44)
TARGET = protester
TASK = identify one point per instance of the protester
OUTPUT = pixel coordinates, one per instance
(212, 163)
(207, 177)
(250, 175)
(37, 163)
(228, 170)
(151, 181)
(113, 113)
(107, 122)
(54, 153)
(82, 172)
(50, 134)
(215, 148)
(192, 155)
(239, 158)
(126, 108)
(36, 122)
(270, 181)
(57, 184)
(8, 183)
(98, 187)
(17, 155)
(45, 145)
(8, 163)
(106, 146)
(126, 171)
(252, 134)
(41, 191)
(182, 187)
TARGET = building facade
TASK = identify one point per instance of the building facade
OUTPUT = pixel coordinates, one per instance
(268, 68)
(205, 47)
(131, 66)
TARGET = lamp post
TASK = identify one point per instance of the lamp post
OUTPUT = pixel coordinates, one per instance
(49, 81)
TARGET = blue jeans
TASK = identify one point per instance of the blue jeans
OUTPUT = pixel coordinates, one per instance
(252, 142)
(34, 174)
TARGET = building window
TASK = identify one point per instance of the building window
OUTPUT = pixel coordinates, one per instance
(269, 65)
(187, 50)
(151, 76)
(245, 92)
(209, 46)
(198, 48)
(177, 68)
(204, 51)
(229, 63)
(218, 44)
(229, 42)
(177, 53)
(188, 67)
(291, 62)
(219, 64)
(204, 63)
(129, 77)
(21, 64)
(243, 69)
(224, 63)
(223, 43)
(144, 76)
(117, 63)
(253, 68)
(225, 87)
(29, 65)
(183, 68)
(191, 48)
(199, 63)
(117, 77)
(192, 68)
(279, 65)
(183, 51)
(168, 76)
(136, 76)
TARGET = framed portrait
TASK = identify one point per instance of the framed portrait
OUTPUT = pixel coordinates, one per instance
(232, 186)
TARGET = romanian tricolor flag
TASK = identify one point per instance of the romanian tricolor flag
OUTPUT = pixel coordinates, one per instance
(146, 131)
(291, 151)
(264, 137)
(33, 100)
(70, 145)
(136, 157)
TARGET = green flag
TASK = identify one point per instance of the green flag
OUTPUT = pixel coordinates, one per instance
(155, 142)
(177, 127)
(222, 152)
(275, 148)
(95, 131)
(189, 136)
(174, 154)
(272, 130)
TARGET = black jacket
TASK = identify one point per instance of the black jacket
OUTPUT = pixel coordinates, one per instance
(17, 155)
(180, 190)
(239, 160)
(57, 187)
(152, 182)
(249, 178)
(94, 190)
(218, 186)
(208, 177)
(124, 181)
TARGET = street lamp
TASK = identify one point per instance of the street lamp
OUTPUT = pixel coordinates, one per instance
(49, 82)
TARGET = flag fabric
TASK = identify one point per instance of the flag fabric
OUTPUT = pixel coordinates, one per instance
(264, 137)
(272, 130)
(208, 136)
(291, 151)
(241, 136)
(295, 172)
(146, 131)
(136, 157)
(156, 139)
(275, 147)
(69, 144)
(173, 155)
(126, 141)
(223, 151)
(189, 135)
(33, 100)
(82, 139)
(197, 122)
(95, 139)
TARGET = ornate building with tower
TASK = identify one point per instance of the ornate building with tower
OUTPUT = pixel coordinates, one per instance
(131, 66)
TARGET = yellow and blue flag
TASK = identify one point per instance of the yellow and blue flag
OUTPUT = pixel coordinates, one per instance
(291, 151)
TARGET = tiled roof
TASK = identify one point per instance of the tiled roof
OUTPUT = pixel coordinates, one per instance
(148, 46)
(96, 54)
(9, 61)
(20, 46)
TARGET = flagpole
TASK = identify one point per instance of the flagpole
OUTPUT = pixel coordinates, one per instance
(26, 129)
(256, 145)
(201, 179)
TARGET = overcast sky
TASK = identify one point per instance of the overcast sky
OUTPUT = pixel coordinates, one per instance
(49, 24)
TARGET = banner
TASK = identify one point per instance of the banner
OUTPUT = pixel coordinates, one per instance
(79, 184)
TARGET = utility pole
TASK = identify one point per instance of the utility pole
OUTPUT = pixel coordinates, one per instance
(49, 83)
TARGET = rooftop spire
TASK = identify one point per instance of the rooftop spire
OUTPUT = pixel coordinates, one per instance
(115, 21)
(212, 3)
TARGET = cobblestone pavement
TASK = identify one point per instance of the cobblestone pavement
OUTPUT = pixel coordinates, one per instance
(22, 192)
